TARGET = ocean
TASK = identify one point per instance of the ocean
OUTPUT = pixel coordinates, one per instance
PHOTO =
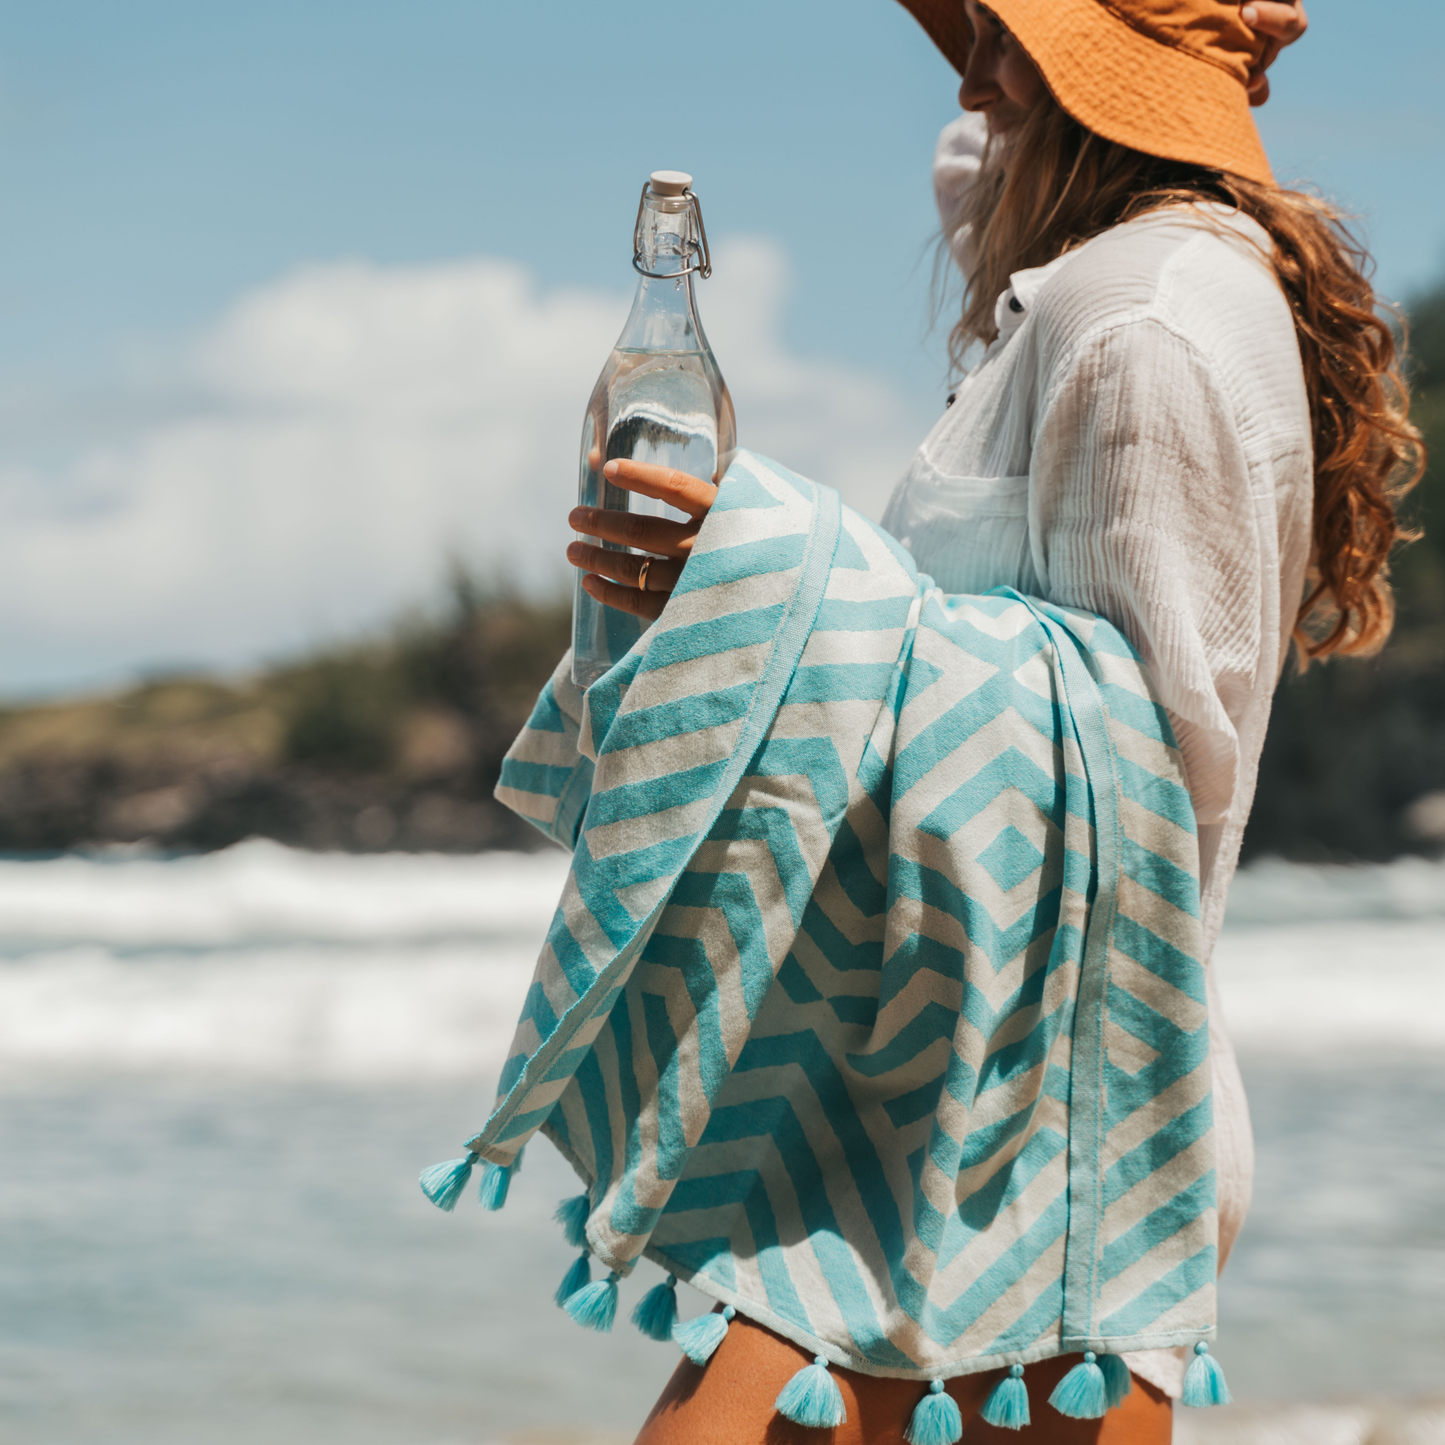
(221, 1074)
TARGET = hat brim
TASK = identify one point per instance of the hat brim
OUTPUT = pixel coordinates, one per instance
(1118, 82)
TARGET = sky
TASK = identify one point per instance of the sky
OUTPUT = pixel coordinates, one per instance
(300, 300)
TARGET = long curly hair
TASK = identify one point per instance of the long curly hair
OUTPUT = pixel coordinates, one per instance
(1052, 184)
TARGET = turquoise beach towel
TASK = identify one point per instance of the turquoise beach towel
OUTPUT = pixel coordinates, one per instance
(873, 1005)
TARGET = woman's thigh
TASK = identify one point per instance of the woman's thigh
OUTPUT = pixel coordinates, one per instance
(730, 1402)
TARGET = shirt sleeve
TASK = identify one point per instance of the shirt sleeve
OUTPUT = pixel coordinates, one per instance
(1141, 511)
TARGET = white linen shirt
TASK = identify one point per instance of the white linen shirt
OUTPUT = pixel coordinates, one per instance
(1137, 443)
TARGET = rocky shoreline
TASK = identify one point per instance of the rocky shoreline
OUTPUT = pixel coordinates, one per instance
(395, 744)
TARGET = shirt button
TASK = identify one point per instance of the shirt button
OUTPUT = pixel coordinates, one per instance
(1014, 304)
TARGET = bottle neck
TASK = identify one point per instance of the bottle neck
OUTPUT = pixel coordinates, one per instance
(664, 310)
(663, 318)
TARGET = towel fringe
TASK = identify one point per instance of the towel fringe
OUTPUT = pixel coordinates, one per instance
(594, 1306)
(575, 1279)
(572, 1214)
(1204, 1382)
(699, 1338)
(1117, 1379)
(936, 1419)
(445, 1183)
(1082, 1393)
(1007, 1406)
(812, 1398)
(496, 1181)
(656, 1311)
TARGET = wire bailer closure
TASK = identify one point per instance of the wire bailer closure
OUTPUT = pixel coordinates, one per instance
(701, 261)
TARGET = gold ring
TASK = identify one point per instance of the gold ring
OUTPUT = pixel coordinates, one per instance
(642, 575)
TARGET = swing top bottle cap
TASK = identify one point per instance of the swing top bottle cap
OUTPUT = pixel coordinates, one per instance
(669, 183)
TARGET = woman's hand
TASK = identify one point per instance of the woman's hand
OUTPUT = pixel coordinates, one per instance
(668, 542)
(1281, 24)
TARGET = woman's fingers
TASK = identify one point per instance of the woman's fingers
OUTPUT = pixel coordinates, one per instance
(1281, 25)
(688, 494)
(625, 567)
(1257, 86)
(1284, 23)
(613, 576)
(634, 529)
(647, 604)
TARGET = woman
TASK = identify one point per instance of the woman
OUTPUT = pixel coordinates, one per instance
(1186, 417)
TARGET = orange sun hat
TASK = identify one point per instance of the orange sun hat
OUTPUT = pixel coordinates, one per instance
(1166, 77)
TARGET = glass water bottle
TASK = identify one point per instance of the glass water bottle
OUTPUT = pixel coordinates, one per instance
(660, 399)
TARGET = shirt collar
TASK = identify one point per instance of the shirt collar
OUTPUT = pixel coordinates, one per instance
(1014, 304)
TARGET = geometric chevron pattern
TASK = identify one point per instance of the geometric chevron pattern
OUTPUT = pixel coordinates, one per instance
(873, 1004)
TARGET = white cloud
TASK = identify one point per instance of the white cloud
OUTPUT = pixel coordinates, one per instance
(340, 431)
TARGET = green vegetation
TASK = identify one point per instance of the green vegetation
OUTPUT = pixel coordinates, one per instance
(394, 743)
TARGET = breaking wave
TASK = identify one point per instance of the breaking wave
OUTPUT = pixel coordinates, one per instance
(265, 961)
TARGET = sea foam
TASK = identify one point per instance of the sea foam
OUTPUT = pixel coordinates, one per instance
(264, 961)
(261, 891)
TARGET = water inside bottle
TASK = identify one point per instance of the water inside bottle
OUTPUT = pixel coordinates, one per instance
(662, 410)
(654, 406)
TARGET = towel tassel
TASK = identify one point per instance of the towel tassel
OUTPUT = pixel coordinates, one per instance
(444, 1183)
(1204, 1380)
(656, 1311)
(496, 1180)
(936, 1419)
(812, 1398)
(699, 1338)
(1117, 1380)
(1082, 1393)
(572, 1214)
(575, 1279)
(1007, 1406)
(595, 1305)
